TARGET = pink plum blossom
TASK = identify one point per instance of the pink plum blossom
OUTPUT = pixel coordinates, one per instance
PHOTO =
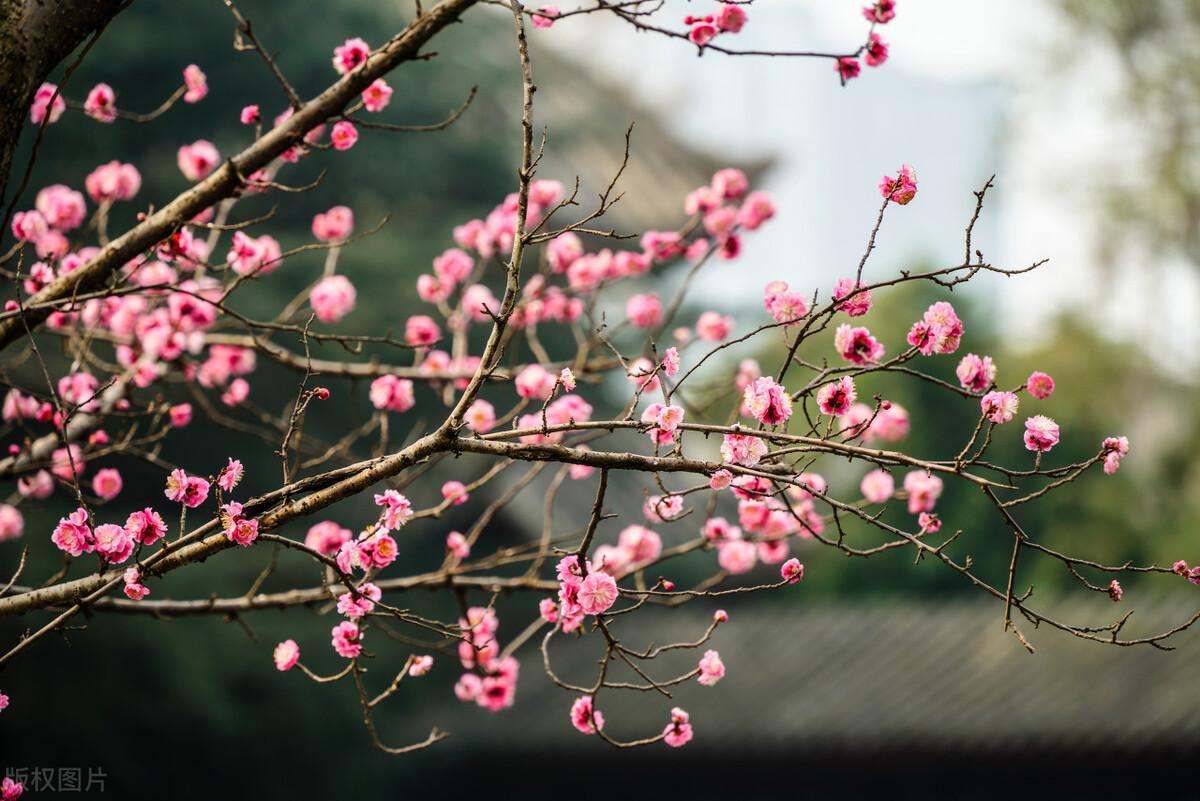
(836, 397)
(902, 188)
(678, 732)
(711, 668)
(350, 54)
(48, 105)
(332, 298)
(196, 83)
(392, 394)
(877, 486)
(585, 718)
(792, 571)
(344, 135)
(286, 655)
(198, 159)
(377, 96)
(101, 103)
(999, 407)
(976, 373)
(347, 639)
(1040, 385)
(767, 402)
(923, 490)
(1041, 433)
(107, 483)
(191, 491)
(859, 298)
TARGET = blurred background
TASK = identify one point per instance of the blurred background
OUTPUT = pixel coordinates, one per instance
(873, 675)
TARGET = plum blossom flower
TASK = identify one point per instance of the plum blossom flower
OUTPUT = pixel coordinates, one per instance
(146, 526)
(713, 326)
(42, 107)
(198, 159)
(350, 54)
(783, 305)
(855, 297)
(976, 373)
(29, 226)
(929, 523)
(644, 311)
(196, 83)
(455, 492)
(702, 33)
(597, 593)
(1114, 590)
(660, 509)
(180, 414)
(664, 420)
(1115, 449)
(10, 788)
(743, 449)
(134, 589)
(877, 51)
(327, 537)
(923, 491)
(231, 475)
(392, 394)
(999, 407)
(101, 103)
(191, 491)
(377, 96)
(357, 607)
(856, 345)
(902, 188)
(535, 382)
(62, 207)
(585, 718)
(397, 509)
(112, 182)
(12, 523)
(767, 402)
(1040, 385)
(480, 417)
(347, 639)
(1041, 433)
(939, 331)
(711, 668)
(881, 12)
(242, 530)
(567, 379)
(286, 655)
(757, 208)
(720, 479)
(678, 732)
(836, 397)
(847, 68)
(731, 18)
(877, 486)
(332, 298)
(73, 534)
(457, 544)
(343, 135)
(107, 483)
(736, 556)
(544, 17)
(113, 543)
(333, 225)
(250, 115)
(792, 571)
(420, 665)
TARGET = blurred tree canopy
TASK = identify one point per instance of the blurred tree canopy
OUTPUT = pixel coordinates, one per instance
(1155, 193)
